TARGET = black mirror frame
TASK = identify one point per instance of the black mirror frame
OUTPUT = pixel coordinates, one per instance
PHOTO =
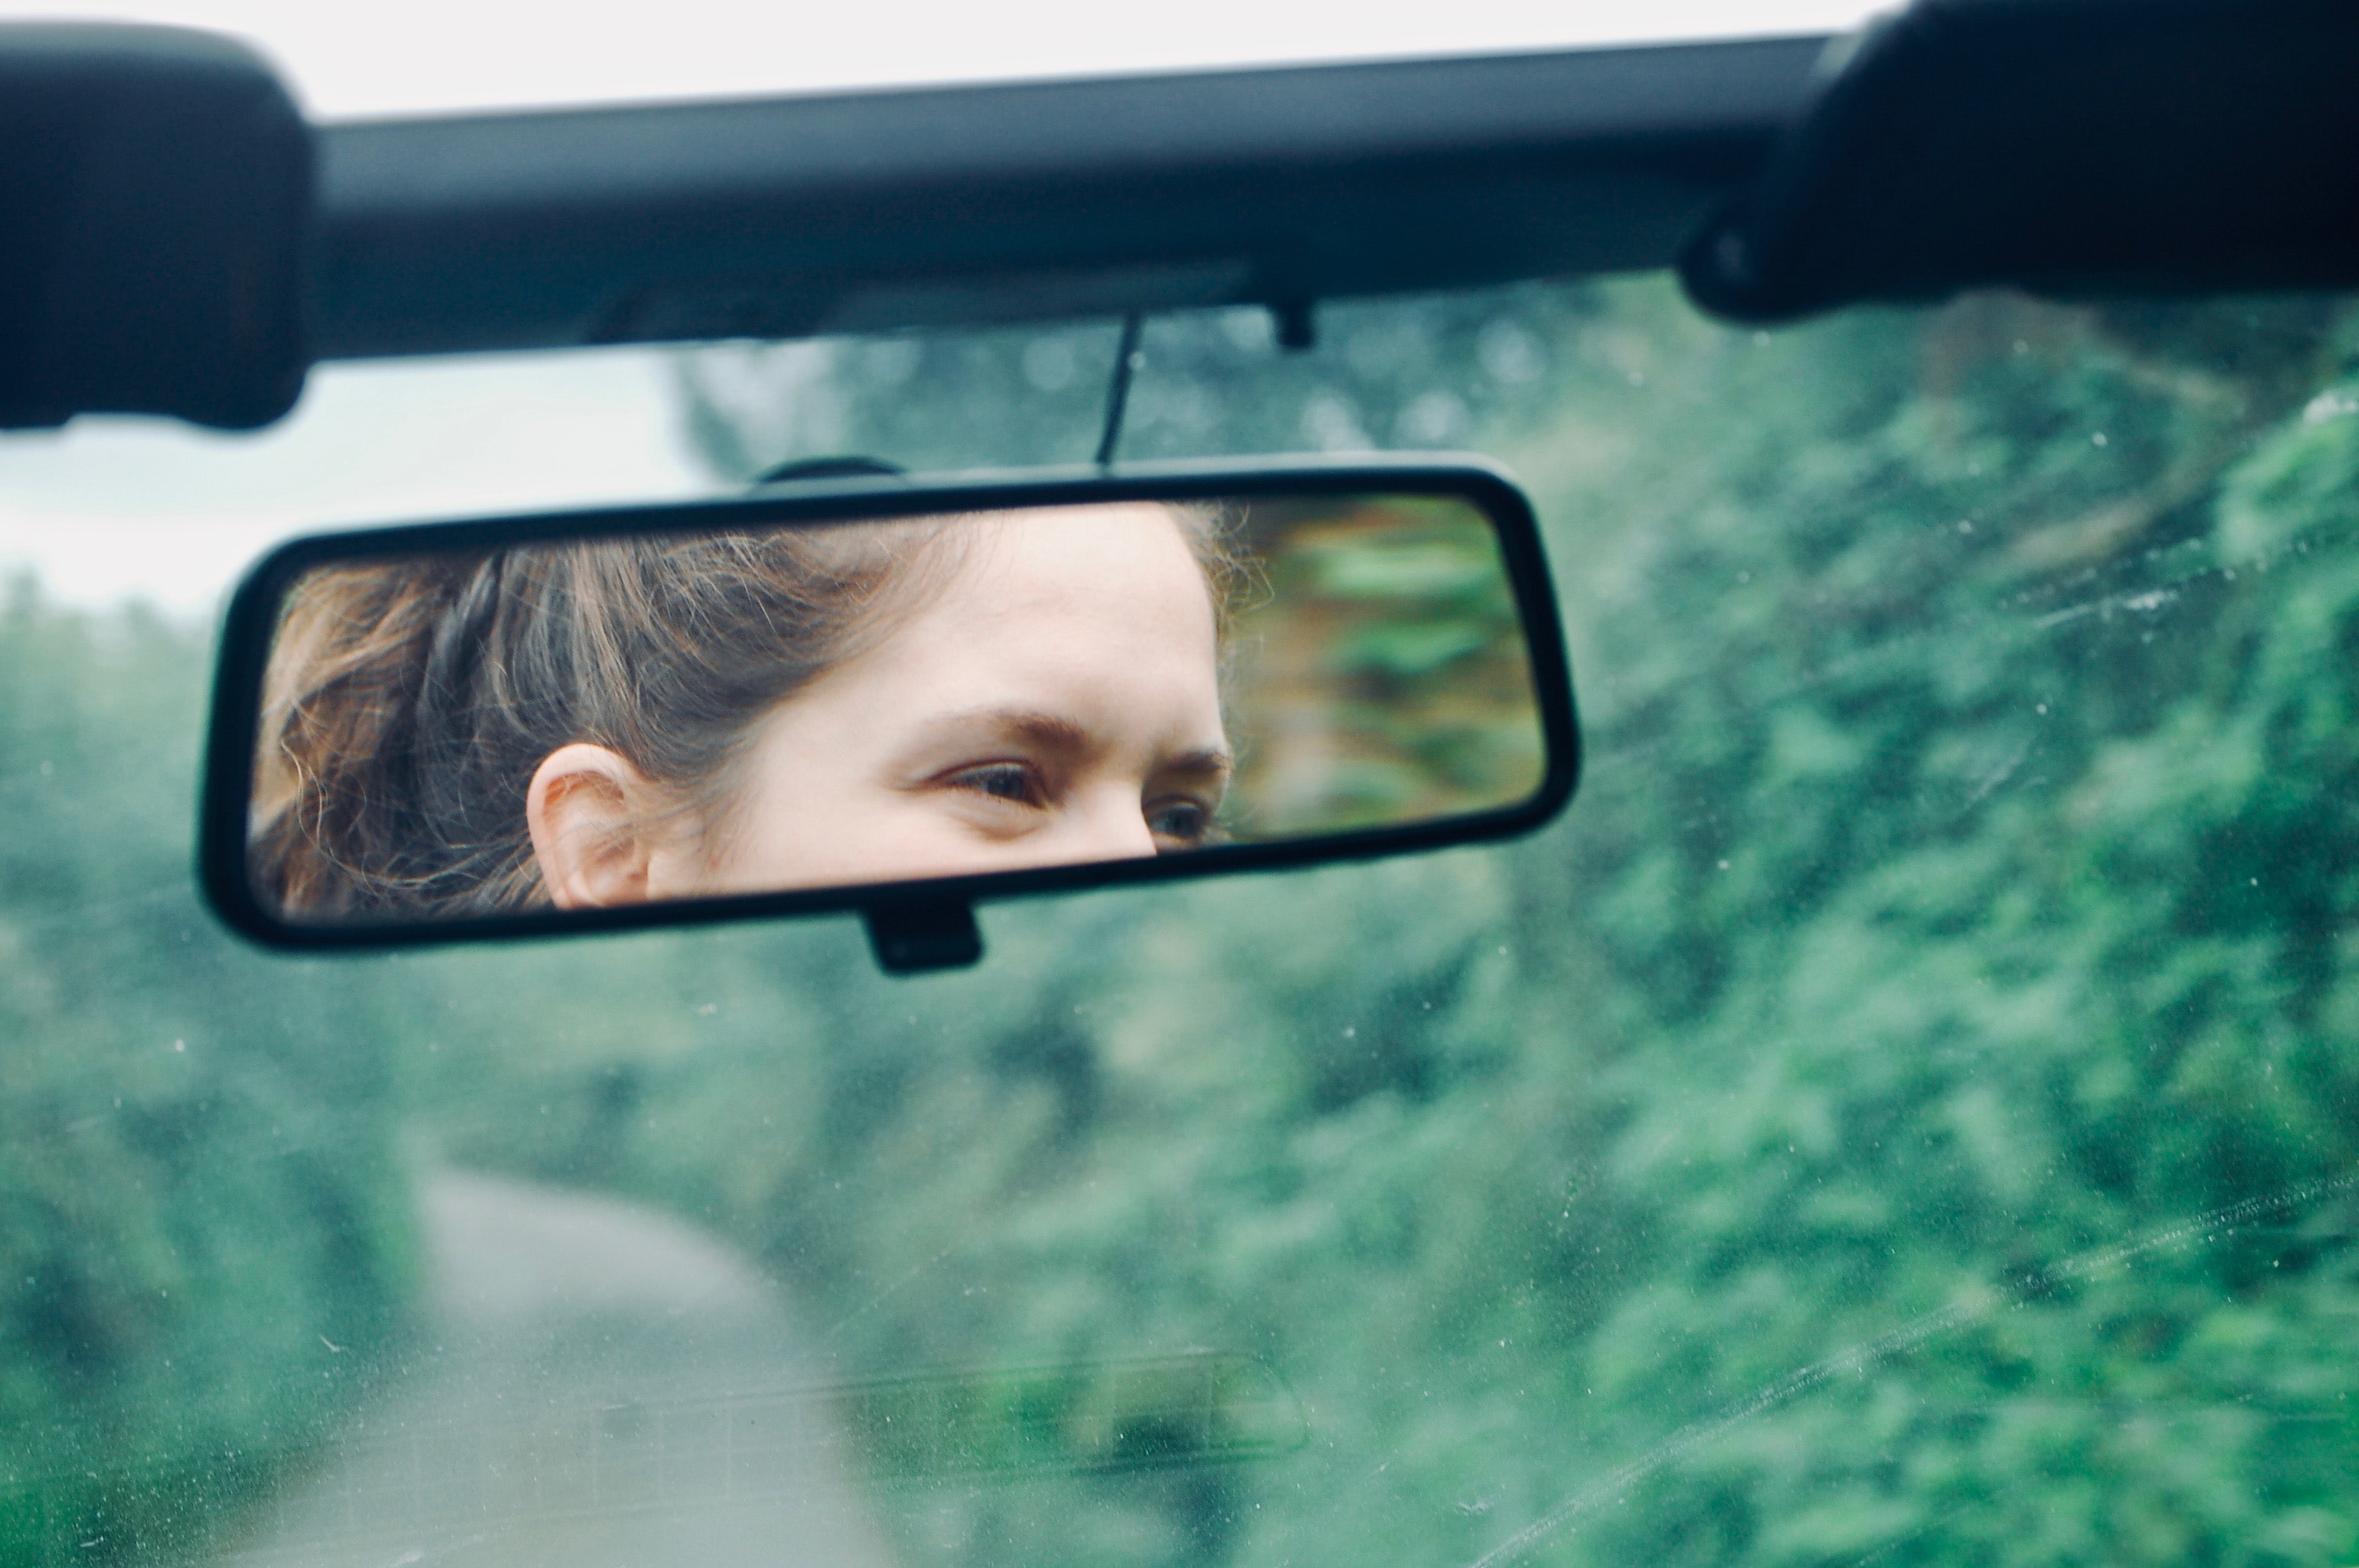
(914, 924)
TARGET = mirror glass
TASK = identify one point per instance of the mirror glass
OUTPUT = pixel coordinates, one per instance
(593, 721)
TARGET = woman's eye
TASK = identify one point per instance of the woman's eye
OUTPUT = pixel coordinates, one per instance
(1001, 781)
(1185, 822)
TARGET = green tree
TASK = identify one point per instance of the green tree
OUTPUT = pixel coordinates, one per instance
(198, 1195)
(1950, 922)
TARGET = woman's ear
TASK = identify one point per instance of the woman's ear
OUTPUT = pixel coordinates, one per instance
(594, 820)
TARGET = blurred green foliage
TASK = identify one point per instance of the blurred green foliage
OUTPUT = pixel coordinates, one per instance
(198, 1192)
(1107, 1417)
(1955, 896)
(1377, 669)
(1908, 1110)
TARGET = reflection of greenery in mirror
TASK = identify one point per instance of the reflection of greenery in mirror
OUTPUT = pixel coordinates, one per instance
(1381, 676)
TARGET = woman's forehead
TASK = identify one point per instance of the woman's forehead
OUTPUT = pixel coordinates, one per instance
(1093, 612)
(1107, 518)
(1086, 555)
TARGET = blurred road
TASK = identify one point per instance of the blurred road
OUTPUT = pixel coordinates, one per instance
(599, 1386)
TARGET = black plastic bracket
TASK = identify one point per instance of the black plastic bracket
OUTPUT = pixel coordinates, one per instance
(923, 935)
(156, 191)
(802, 471)
(2067, 147)
(1294, 324)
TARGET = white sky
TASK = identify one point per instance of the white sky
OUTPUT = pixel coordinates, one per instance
(346, 58)
(115, 507)
(110, 507)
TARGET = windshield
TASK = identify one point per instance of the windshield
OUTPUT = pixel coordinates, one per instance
(1903, 1111)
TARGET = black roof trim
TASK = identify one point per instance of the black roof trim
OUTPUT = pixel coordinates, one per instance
(954, 206)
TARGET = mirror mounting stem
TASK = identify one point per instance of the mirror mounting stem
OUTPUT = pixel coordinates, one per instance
(1294, 325)
(920, 935)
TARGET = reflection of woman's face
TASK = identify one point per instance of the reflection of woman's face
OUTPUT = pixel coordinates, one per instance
(1058, 700)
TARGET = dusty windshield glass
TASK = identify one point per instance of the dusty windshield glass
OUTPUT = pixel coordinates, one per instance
(1902, 1112)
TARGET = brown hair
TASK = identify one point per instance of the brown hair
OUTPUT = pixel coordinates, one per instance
(407, 703)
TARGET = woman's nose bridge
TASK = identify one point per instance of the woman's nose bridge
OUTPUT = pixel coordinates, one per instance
(1110, 823)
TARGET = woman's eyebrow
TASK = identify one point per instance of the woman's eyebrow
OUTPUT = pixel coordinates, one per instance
(1203, 760)
(1057, 735)
(1048, 730)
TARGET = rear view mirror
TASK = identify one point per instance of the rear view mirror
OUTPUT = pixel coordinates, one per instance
(887, 696)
